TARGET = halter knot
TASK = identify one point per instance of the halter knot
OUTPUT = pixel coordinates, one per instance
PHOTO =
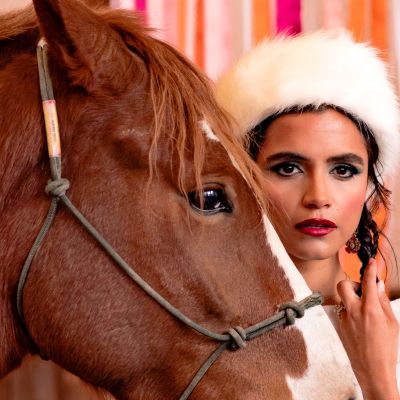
(292, 311)
(238, 338)
(57, 187)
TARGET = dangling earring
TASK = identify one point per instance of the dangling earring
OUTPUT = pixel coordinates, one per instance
(353, 245)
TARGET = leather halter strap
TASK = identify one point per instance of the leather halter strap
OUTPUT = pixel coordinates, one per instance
(233, 338)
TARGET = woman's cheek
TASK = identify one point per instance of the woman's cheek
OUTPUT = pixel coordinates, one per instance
(351, 206)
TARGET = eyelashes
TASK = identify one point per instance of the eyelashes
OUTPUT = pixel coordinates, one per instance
(346, 170)
(286, 169)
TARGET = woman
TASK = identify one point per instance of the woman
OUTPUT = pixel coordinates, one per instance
(323, 124)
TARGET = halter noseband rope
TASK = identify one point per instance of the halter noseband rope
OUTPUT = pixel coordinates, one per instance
(233, 339)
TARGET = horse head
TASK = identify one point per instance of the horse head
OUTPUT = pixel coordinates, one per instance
(153, 165)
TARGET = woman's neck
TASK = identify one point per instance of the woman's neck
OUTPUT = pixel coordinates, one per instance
(322, 276)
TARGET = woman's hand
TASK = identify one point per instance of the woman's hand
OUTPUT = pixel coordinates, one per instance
(370, 334)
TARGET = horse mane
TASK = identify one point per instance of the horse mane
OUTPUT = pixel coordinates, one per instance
(181, 95)
(15, 23)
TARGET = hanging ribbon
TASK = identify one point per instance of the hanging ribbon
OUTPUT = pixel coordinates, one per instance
(288, 16)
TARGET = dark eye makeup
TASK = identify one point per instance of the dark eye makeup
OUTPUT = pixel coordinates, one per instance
(290, 168)
(345, 171)
(286, 169)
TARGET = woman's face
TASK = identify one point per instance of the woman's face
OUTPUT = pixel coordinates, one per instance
(316, 176)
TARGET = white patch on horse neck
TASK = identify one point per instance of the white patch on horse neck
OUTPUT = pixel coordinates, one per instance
(208, 131)
(329, 375)
(297, 282)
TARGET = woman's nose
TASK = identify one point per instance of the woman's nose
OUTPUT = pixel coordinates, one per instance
(316, 194)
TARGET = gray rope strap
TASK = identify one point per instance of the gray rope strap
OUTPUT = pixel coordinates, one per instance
(46, 92)
(32, 252)
(55, 188)
(288, 312)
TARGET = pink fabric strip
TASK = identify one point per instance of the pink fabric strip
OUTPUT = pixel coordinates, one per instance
(155, 17)
(128, 4)
(288, 16)
(171, 22)
(311, 15)
(241, 27)
(141, 5)
(114, 3)
(333, 14)
(218, 36)
(272, 17)
(190, 31)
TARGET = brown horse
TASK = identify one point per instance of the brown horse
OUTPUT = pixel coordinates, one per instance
(148, 154)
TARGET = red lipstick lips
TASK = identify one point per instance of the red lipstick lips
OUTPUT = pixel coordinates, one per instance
(316, 226)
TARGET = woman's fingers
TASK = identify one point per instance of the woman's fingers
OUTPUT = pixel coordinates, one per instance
(374, 293)
(347, 292)
(370, 335)
(370, 297)
(369, 286)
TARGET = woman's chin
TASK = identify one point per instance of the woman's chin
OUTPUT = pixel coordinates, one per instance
(313, 254)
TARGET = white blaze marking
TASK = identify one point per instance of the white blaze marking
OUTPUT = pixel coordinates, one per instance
(208, 131)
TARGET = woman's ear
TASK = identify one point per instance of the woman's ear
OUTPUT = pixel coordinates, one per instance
(90, 52)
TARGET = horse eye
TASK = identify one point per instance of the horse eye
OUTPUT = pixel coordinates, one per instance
(210, 201)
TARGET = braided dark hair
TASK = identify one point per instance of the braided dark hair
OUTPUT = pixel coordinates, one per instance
(367, 232)
(368, 235)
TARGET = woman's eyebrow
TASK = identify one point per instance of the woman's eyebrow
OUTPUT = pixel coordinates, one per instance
(285, 155)
(347, 158)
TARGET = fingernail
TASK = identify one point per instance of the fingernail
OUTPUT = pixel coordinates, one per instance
(381, 286)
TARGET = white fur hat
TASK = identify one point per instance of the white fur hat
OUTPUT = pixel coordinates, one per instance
(324, 67)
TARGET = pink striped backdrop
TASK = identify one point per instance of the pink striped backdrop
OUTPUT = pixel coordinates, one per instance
(214, 33)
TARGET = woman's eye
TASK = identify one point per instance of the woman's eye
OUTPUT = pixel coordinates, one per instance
(210, 201)
(286, 169)
(345, 171)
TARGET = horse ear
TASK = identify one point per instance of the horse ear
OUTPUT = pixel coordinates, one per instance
(92, 53)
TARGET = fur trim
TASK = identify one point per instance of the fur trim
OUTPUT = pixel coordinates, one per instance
(313, 69)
